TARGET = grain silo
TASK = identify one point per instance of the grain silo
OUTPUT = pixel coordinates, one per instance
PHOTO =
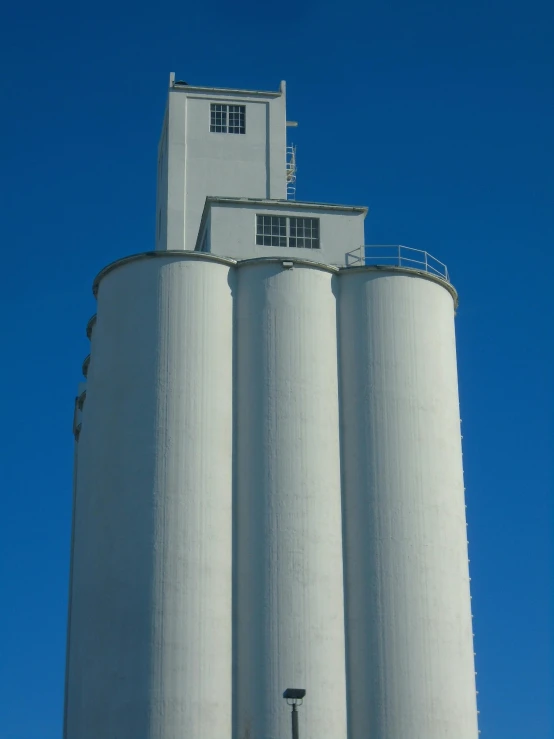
(268, 479)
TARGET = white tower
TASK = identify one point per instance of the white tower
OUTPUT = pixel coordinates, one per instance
(209, 146)
(268, 480)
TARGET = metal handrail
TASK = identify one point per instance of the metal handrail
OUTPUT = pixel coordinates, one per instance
(397, 255)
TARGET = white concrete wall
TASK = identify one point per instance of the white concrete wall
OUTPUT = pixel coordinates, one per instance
(289, 579)
(202, 163)
(233, 232)
(151, 622)
(409, 627)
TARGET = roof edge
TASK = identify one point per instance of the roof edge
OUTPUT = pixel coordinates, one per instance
(179, 85)
(285, 203)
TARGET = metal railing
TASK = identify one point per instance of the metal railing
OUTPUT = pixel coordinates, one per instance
(396, 255)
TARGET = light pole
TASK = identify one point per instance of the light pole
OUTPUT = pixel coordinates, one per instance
(294, 697)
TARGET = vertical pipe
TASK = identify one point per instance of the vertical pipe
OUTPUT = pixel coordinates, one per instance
(294, 715)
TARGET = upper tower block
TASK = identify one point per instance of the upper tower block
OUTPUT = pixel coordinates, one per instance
(216, 142)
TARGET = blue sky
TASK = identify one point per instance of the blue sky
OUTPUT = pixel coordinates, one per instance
(437, 115)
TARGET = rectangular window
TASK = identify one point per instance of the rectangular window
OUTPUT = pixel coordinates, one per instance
(299, 233)
(304, 233)
(271, 231)
(227, 118)
(218, 118)
(236, 119)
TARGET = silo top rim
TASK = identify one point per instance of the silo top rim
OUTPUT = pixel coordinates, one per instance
(183, 254)
(203, 256)
(409, 271)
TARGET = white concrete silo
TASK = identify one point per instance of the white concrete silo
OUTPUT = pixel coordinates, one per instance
(289, 592)
(150, 635)
(409, 626)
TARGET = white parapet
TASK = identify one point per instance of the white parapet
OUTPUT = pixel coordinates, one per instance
(150, 636)
(409, 628)
(289, 598)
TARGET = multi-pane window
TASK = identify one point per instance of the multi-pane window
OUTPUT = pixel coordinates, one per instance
(304, 233)
(227, 118)
(236, 119)
(271, 230)
(301, 233)
(218, 118)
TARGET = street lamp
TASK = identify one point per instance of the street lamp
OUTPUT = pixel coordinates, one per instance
(294, 697)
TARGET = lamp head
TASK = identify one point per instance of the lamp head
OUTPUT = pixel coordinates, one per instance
(294, 694)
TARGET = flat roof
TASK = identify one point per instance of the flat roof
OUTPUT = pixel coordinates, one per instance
(231, 90)
(273, 203)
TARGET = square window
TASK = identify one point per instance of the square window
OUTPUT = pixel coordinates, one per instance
(227, 118)
(271, 231)
(304, 233)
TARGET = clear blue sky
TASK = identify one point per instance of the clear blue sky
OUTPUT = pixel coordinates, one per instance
(438, 115)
